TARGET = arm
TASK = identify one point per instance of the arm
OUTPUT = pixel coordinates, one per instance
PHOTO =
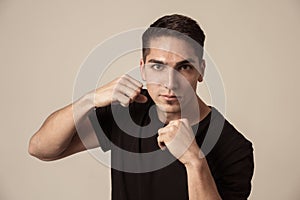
(178, 137)
(58, 136)
(201, 184)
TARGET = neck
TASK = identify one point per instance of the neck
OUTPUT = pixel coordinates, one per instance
(166, 117)
(193, 116)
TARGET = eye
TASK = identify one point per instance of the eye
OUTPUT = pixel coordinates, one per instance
(157, 67)
(184, 67)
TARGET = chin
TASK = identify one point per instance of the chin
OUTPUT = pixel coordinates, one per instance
(169, 108)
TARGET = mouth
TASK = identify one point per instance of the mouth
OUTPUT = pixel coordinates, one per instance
(170, 97)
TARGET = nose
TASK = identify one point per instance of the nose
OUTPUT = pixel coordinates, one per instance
(172, 79)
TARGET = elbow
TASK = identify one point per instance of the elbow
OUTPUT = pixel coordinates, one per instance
(32, 147)
(35, 150)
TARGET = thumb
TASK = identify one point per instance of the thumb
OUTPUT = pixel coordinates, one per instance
(141, 99)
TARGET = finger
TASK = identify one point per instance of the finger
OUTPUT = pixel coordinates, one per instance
(185, 121)
(121, 98)
(180, 123)
(161, 143)
(129, 85)
(134, 81)
(185, 124)
(167, 129)
(131, 82)
(134, 95)
(124, 89)
(175, 122)
(141, 98)
(167, 134)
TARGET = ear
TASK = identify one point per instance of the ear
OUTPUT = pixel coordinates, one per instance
(142, 69)
(202, 70)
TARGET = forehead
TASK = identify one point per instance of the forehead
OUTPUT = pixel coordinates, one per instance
(170, 48)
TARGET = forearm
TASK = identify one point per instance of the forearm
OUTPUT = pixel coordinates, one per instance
(201, 184)
(57, 137)
(58, 130)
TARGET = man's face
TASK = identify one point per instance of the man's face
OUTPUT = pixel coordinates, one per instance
(171, 71)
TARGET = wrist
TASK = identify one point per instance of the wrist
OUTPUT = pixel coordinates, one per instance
(197, 160)
(196, 163)
(83, 105)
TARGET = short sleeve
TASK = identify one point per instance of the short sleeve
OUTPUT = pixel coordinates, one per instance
(101, 120)
(237, 173)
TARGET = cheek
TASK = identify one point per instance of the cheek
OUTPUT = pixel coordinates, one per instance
(194, 83)
(191, 81)
(152, 89)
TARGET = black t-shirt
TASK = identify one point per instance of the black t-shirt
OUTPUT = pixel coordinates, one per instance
(140, 174)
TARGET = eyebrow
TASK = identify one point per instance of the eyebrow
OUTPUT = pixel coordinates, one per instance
(186, 61)
(157, 61)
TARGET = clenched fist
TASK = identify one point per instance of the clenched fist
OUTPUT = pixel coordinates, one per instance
(179, 138)
(124, 90)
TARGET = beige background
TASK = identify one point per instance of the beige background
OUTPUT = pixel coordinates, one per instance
(255, 45)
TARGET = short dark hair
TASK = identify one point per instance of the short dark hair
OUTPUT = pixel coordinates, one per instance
(174, 25)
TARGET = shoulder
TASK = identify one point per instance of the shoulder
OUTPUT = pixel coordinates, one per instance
(233, 140)
(232, 146)
(229, 138)
(230, 135)
(231, 163)
(225, 146)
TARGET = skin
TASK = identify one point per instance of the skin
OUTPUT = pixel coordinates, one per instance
(58, 137)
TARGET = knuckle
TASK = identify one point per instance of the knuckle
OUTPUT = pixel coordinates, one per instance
(170, 137)
(124, 76)
(135, 93)
(140, 84)
(127, 100)
(115, 91)
(184, 120)
(160, 131)
(114, 95)
(132, 94)
(158, 138)
(175, 122)
(124, 103)
(172, 129)
(120, 80)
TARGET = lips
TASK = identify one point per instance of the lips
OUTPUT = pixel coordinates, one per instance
(169, 97)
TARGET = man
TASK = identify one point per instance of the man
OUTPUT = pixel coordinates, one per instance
(168, 118)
